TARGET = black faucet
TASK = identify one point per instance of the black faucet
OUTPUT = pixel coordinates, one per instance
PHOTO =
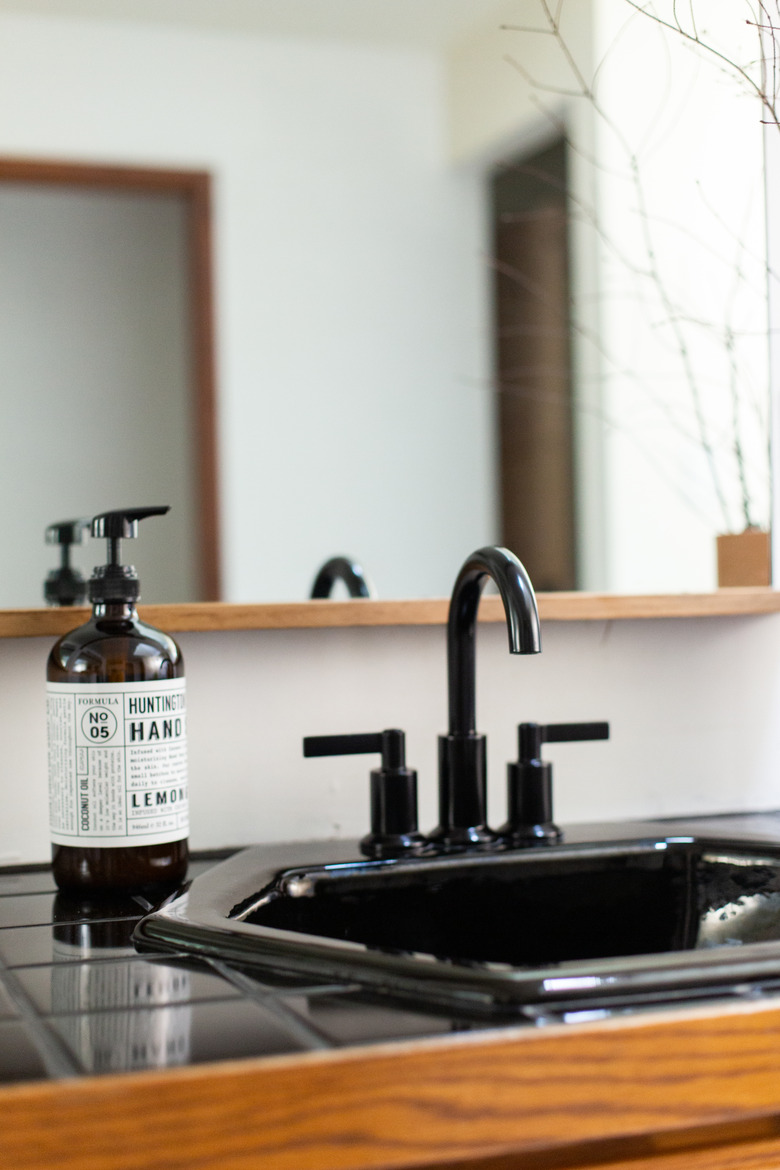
(341, 569)
(394, 830)
(462, 752)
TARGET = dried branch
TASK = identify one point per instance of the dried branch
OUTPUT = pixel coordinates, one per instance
(683, 24)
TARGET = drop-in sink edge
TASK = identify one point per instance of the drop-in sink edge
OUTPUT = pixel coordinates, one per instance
(620, 916)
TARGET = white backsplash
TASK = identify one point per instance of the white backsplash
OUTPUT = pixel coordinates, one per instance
(693, 706)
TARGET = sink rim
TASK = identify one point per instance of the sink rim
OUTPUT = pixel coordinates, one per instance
(206, 922)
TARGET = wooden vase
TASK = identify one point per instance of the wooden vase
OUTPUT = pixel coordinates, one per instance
(744, 558)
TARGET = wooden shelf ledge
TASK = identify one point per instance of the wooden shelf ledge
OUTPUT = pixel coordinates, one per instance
(559, 607)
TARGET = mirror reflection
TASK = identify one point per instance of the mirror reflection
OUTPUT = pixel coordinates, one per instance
(482, 272)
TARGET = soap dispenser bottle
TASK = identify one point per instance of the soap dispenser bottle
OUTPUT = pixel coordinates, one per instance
(116, 717)
(65, 585)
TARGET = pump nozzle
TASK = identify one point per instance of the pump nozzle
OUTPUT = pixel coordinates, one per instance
(66, 532)
(65, 585)
(115, 581)
(123, 524)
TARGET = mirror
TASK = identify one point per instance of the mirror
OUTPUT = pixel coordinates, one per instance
(105, 283)
(365, 158)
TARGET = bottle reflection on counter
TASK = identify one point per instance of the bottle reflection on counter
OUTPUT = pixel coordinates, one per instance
(116, 1010)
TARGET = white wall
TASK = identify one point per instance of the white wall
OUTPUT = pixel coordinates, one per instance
(349, 258)
(692, 704)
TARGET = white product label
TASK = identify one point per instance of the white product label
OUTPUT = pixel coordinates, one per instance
(117, 763)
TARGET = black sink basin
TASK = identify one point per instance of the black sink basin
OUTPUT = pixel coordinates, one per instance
(642, 920)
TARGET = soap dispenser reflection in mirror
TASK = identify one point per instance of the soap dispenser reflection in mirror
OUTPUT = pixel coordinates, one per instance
(65, 585)
(116, 720)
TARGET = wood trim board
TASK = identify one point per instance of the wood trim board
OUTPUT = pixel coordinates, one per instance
(566, 607)
(698, 1088)
(194, 188)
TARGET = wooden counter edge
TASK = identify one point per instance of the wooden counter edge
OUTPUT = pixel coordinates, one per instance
(216, 615)
(653, 1085)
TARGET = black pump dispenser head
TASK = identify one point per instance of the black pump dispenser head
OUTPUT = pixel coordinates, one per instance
(65, 585)
(115, 581)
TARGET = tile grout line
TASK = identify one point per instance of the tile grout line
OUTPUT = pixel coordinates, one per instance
(56, 1056)
(301, 1029)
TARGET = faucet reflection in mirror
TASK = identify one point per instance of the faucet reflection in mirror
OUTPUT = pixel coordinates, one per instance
(344, 569)
(66, 585)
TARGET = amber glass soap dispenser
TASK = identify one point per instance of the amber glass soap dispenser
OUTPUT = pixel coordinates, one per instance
(116, 717)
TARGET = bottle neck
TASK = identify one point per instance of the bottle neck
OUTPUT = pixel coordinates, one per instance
(121, 611)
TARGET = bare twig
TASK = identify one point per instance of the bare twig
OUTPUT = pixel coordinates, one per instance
(764, 87)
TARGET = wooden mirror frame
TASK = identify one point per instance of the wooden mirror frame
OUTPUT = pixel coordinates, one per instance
(194, 188)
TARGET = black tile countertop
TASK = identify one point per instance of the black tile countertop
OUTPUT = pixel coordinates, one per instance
(76, 998)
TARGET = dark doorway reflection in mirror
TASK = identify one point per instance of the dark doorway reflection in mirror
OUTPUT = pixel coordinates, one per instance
(533, 364)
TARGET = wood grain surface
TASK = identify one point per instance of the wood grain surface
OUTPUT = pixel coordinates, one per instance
(559, 607)
(698, 1089)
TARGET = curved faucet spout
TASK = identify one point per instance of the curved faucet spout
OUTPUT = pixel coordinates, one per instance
(341, 569)
(463, 753)
(522, 622)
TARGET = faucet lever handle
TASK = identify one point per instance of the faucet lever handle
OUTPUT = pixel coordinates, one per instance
(391, 743)
(393, 789)
(531, 736)
(530, 780)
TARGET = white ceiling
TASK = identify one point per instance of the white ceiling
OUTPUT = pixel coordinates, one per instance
(424, 23)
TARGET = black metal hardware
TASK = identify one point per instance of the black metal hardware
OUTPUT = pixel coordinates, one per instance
(341, 569)
(115, 581)
(529, 797)
(462, 753)
(393, 789)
